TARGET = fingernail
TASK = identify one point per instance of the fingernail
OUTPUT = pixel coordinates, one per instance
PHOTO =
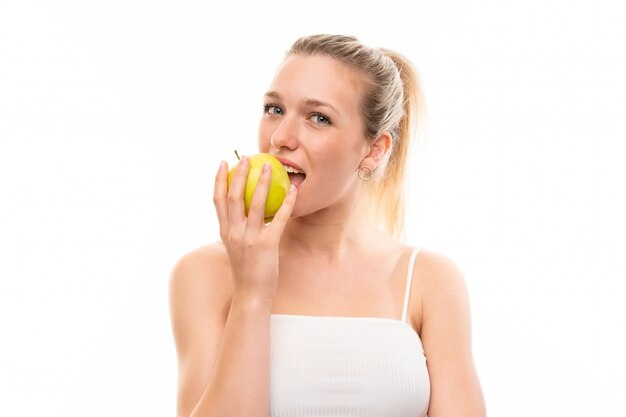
(266, 168)
(292, 189)
(244, 159)
(222, 164)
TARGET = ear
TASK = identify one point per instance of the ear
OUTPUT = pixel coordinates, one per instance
(378, 151)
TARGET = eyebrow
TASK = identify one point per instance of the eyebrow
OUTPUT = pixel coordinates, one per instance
(308, 101)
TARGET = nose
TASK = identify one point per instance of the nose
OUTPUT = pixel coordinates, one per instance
(285, 135)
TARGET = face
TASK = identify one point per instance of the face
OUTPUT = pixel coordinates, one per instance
(312, 121)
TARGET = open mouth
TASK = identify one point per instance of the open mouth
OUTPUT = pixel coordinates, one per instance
(296, 177)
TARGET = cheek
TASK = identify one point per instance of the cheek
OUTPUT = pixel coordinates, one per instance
(264, 138)
(336, 169)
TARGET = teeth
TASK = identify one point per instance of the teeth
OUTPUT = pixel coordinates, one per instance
(292, 170)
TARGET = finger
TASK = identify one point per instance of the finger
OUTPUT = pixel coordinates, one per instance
(277, 225)
(220, 197)
(236, 208)
(256, 214)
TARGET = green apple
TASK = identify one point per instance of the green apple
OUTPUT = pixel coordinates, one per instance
(279, 184)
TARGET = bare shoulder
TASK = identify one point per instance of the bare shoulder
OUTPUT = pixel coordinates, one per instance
(203, 256)
(435, 278)
(444, 303)
(200, 288)
(203, 268)
(437, 272)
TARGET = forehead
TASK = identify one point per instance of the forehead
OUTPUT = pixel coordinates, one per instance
(319, 77)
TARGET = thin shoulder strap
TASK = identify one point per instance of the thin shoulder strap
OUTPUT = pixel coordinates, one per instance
(409, 278)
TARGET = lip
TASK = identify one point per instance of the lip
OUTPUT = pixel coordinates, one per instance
(285, 161)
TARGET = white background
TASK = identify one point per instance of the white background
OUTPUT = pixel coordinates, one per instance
(114, 116)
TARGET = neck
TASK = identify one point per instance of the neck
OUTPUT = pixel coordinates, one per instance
(329, 234)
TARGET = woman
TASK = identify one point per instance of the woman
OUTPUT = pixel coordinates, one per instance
(319, 312)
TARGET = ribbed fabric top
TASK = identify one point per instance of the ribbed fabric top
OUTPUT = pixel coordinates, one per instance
(324, 366)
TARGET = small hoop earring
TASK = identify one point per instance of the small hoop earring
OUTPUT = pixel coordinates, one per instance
(365, 173)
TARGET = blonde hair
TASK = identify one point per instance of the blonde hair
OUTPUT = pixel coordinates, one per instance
(390, 104)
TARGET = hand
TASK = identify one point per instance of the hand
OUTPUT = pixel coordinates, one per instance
(252, 245)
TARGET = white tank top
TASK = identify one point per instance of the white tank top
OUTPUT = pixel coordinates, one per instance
(348, 366)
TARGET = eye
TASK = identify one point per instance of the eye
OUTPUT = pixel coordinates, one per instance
(272, 109)
(320, 118)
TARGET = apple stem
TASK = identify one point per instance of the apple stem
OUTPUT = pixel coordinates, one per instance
(237, 155)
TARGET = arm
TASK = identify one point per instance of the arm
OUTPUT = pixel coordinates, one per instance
(446, 335)
(221, 306)
(223, 356)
